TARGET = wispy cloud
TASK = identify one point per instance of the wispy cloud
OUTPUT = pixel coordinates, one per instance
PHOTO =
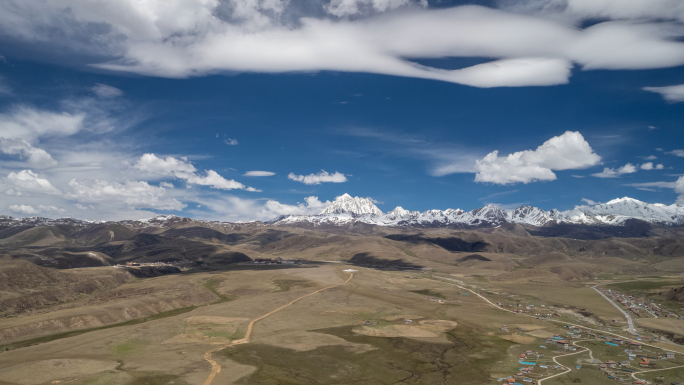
(671, 94)
(321, 177)
(615, 173)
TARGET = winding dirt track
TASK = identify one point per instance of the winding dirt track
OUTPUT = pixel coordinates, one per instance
(216, 368)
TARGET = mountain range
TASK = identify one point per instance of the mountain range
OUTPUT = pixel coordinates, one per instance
(345, 210)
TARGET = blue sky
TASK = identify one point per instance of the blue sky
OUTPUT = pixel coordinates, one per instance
(401, 101)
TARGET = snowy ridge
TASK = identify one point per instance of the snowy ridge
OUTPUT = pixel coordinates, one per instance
(346, 210)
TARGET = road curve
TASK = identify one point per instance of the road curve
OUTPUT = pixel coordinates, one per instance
(216, 368)
(567, 370)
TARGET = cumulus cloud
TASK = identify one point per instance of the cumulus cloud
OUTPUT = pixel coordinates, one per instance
(183, 169)
(679, 153)
(651, 166)
(259, 173)
(27, 180)
(321, 177)
(191, 38)
(231, 142)
(615, 173)
(30, 210)
(133, 194)
(564, 152)
(670, 93)
(36, 157)
(651, 157)
(106, 92)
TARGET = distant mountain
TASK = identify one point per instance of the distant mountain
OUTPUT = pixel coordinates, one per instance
(348, 210)
(345, 210)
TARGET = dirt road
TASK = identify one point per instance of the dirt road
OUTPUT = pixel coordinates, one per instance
(216, 368)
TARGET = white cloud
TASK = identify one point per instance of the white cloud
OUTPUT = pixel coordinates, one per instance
(590, 202)
(106, 92)
(651, 166)
(37, 157)
(213, 179)
(653, 184)
(183, 169)
(231, 142)
(565, 152)
(341, 8)
(650, 157)
(27, 180)
(133, 194)
(321, 177)
(30, 123)
(259, 173)
(615, 173)
(30, 210)
(679, 153)
(670, 93)
(232, 208)
(626, 9)
(191, 38)
(311, 206)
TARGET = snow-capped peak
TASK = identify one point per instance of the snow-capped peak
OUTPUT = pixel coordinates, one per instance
(346, 204)
(625, 200)
(614, 212)
(399, 212)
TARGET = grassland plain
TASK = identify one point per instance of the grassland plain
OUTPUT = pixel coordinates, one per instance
(136, 331)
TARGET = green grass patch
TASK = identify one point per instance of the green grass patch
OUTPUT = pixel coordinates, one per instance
(213, 285)
(644, 285)
(126, 348)
(468, 360)
(289, 284)
(429, 293)
(73, 333)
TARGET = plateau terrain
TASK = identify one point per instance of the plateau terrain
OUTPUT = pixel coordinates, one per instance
(351, 296)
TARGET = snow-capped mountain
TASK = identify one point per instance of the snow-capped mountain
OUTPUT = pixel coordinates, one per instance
(346, 210)
(345, 204)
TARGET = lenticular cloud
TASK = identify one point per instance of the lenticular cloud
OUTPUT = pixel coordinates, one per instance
(194, 38)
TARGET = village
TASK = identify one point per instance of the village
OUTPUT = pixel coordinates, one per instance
(614, 357)
(182, 264)
(277, 261)
(640, 306)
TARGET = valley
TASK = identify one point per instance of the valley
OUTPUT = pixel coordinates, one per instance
(177, 301)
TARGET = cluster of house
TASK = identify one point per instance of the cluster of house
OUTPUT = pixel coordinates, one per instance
(180, 263)
(527, 309)
(49, 260)
(435, 299)
(278, 261)
(635, 353)
(529, 358)
(635, 305)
